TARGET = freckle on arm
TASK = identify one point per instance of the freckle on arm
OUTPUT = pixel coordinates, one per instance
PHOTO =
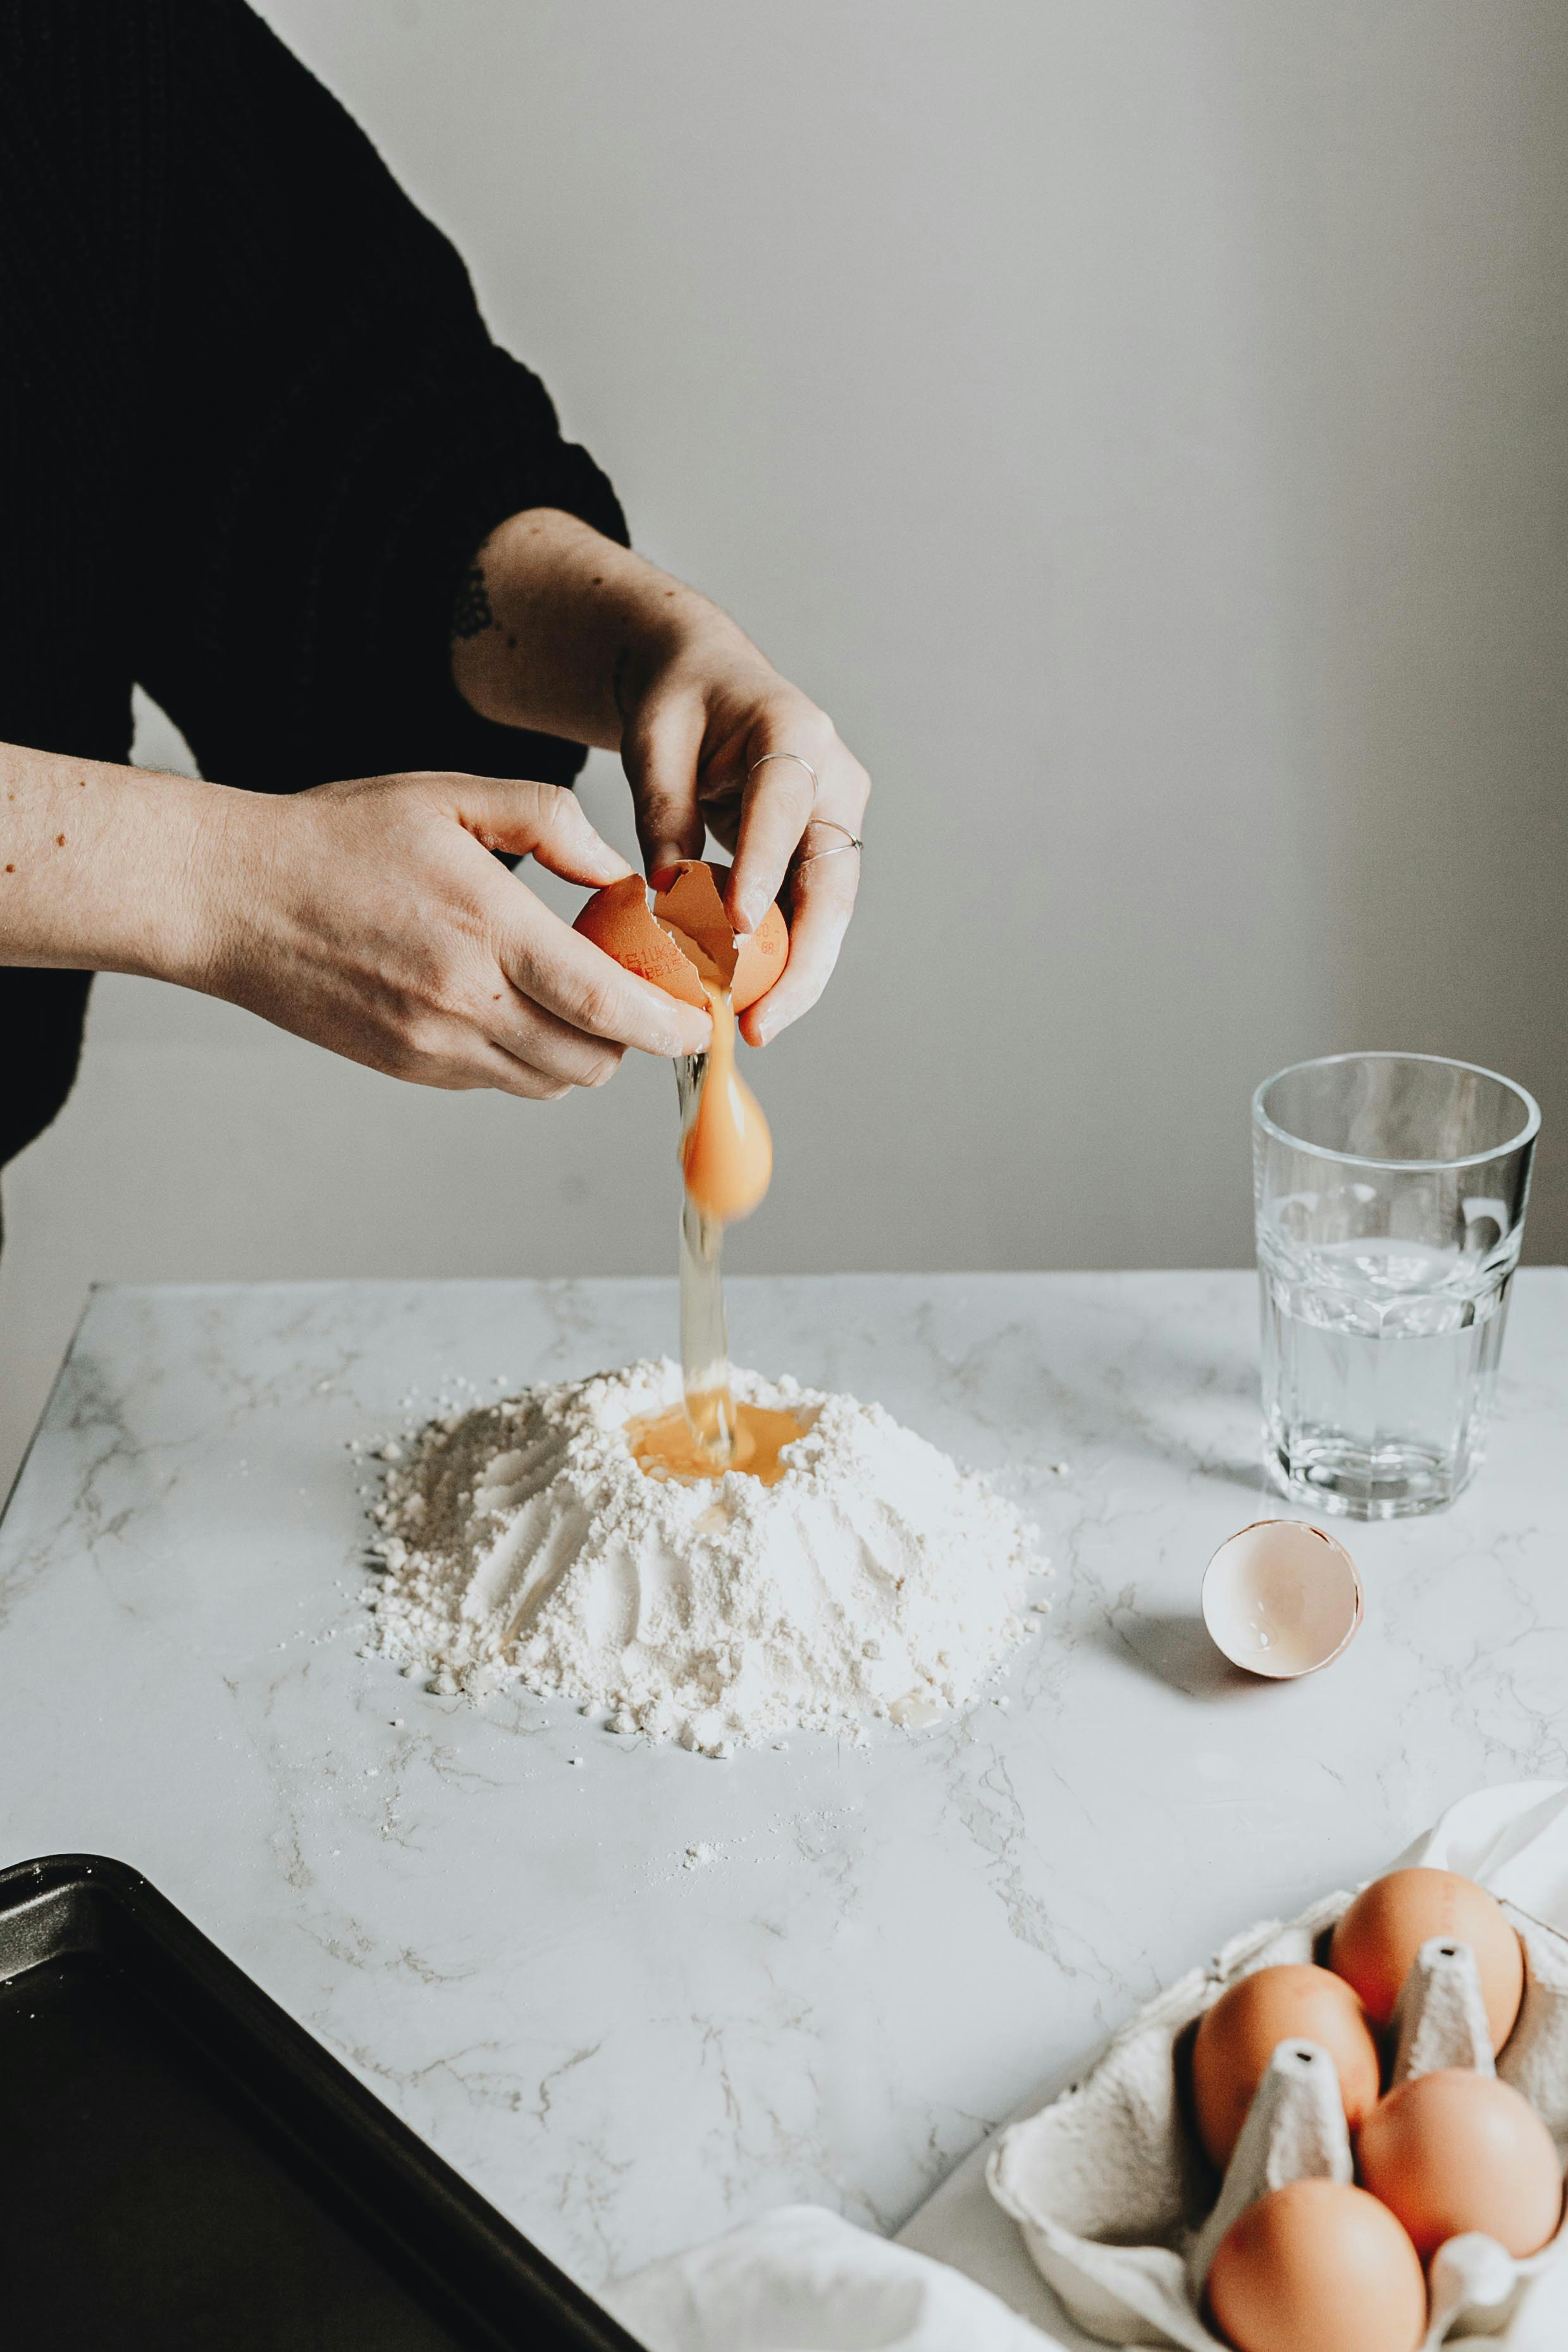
(59, 841)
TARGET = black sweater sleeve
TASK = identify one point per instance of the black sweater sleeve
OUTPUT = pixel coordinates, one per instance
(328, 432)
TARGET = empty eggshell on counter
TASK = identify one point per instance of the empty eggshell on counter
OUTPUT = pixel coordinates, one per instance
(1281, 1599)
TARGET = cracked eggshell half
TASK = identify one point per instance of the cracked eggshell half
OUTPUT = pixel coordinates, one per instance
(692, 907)
(617, 918)
(1281, 1599)
(685, 939)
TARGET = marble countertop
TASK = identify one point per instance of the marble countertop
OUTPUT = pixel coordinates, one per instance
(870, 1957)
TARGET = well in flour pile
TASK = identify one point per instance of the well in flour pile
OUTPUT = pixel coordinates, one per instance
(522, 1541)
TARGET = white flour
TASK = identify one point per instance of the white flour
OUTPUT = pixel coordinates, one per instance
(521, 1540)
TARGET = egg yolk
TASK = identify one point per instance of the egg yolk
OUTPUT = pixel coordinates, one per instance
(666, 1445)
(727, 1152)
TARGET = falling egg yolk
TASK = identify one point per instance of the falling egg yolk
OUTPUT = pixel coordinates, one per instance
(727, 1152)
(686, 946)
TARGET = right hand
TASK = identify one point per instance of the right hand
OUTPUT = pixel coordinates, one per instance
(370, 918)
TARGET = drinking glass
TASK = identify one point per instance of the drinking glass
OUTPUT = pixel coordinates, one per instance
(1390, 1192)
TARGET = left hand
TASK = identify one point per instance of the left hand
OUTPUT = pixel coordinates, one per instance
(700, 708)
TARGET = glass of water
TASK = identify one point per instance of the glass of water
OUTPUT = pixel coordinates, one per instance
(1390, 1192)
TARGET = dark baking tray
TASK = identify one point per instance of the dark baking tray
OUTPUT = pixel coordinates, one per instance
(181, 2167)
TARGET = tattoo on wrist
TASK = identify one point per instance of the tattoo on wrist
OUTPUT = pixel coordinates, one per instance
(472, 615)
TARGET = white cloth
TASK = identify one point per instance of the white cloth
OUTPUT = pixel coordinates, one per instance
(803, 2280)
(1513, 1841)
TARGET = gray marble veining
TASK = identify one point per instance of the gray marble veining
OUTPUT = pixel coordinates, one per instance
(872, 1955)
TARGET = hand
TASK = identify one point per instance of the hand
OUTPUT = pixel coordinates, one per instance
(701, 706)
(370, 918)
(558, 628)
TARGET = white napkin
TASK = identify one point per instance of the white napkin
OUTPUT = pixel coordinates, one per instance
(1513, 1841)
(803, 2280)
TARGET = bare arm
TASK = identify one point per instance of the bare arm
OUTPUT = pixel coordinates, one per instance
(369, 917)
(559, 629)
(98, 865)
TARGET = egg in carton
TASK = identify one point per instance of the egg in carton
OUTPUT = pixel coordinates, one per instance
(1115, 2199)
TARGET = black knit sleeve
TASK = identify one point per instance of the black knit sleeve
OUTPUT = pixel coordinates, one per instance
(328, 433)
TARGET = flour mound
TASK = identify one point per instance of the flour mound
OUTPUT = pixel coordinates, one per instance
(522, 1541)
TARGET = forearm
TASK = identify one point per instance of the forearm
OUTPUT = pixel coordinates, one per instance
(553, 616)
(100, 865)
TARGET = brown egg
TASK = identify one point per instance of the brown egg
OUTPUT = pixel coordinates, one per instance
(1456, 2150)
(693, 909)
(686, 936)
(1376, 1940)
(617, 919)
(1237, 2036)
(1318, 2266)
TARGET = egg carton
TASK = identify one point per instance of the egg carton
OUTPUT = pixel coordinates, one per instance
(1121, 2210)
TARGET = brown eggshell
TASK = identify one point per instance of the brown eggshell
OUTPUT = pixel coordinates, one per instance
(1376, 1940)
(617, 919)
(1318, 2266)
(1456, 2150)
(1237, 2038)
(694, 904)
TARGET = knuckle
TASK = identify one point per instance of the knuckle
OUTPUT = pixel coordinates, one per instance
(423, 1036)
(532, 1085)
(595, 1004)
(818, 729)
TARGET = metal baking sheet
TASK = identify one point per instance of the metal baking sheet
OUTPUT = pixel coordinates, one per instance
(181, 2167)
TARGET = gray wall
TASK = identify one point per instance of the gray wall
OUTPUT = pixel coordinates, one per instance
(1144, 424)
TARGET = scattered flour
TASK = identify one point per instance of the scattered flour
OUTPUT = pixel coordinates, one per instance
(521, 1541)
